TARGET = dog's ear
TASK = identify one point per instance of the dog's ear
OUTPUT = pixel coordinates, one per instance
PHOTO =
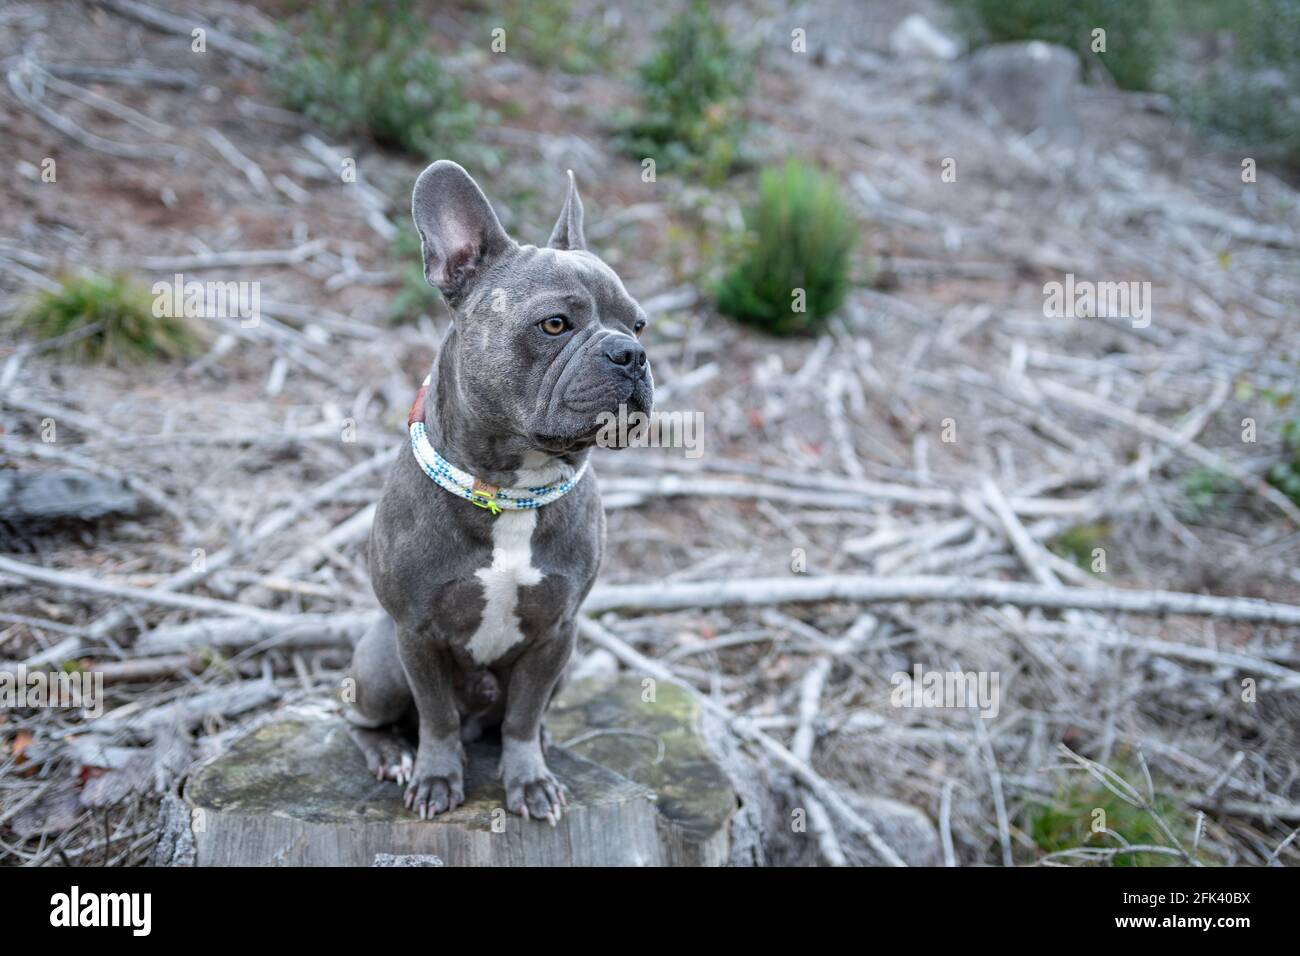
(459, 232)
(567, 233)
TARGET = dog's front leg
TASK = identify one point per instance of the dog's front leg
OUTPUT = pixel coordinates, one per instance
(437, 783)
(531, 790)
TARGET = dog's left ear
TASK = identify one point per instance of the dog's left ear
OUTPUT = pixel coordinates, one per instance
(567, 233)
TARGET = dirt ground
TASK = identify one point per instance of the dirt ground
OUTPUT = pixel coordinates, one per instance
(831, 448)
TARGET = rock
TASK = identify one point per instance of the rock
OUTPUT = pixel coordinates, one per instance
(1029, 86)
(916, 36)
(644, 789)
(905, 828)
(44, 497)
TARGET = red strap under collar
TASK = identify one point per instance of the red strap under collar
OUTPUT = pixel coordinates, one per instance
(417, 406)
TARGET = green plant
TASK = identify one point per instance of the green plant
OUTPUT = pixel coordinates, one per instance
(1207, 492)
(1078, 543)
(691, 112)
(416, 297)
(365, 68)
(1252, 100)
(1065, 822)
(792, 266)
(1285, 475)
(1137, 31)
(549, 34)
(107, 318)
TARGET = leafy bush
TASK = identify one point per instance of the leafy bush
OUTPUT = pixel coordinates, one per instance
(549, 34)
(1285, 475)
(364, 68)
(691, 114)
(1254, 100)
(799, 236)
(1137, 31)
(127, 330)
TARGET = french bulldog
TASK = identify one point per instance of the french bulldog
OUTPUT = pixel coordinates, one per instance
(481, 603)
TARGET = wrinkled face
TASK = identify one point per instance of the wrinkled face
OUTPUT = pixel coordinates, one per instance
(547, 344)
(545, 338)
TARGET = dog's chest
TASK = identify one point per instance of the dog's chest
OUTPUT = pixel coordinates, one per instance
(511, 569)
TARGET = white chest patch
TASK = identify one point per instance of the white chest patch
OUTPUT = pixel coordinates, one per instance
(511, 569)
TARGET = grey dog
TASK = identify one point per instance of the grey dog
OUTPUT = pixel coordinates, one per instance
(481, 606)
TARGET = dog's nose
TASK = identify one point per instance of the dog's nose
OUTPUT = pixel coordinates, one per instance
(627, 353)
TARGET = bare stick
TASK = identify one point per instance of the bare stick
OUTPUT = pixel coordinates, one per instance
(184, 26)
(70, 580)
(864, 589)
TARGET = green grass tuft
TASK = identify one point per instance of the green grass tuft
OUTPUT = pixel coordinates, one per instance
(128, 331)
(799, 236)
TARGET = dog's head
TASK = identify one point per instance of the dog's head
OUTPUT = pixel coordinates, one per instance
(546, 338)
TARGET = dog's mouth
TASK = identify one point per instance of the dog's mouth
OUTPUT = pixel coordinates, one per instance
(565, 444)
(587, 431)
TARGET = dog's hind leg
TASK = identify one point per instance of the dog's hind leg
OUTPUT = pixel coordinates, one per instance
(380, 699)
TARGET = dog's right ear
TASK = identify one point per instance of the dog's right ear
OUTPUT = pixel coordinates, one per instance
(459, 232)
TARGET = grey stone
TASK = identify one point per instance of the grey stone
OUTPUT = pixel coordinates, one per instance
(42, 497)
(1029, 86)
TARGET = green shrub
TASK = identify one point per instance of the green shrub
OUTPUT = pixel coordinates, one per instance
(1254, 99)
(128, 331)
(799, 236)
(365, 68)
(416, 297)
(1285, 475)
(1137, 31)
(691, 113)
(549, 34)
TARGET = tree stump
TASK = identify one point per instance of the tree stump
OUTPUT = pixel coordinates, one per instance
(296, 792)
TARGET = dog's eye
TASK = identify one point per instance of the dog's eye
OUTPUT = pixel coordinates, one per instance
(555, 325)
(637, 327)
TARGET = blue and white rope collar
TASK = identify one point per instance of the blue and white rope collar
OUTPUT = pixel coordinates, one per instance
(477, 492)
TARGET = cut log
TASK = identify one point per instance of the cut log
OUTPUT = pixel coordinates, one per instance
(297, 793)
(644, 790)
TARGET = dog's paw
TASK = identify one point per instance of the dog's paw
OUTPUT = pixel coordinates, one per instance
(429, 795)
(531, 789)
(388, 755)
(437, 783)
(540, 798)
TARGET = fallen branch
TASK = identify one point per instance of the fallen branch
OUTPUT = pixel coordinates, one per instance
(72, 581)
(185, 26)
(802, 590)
